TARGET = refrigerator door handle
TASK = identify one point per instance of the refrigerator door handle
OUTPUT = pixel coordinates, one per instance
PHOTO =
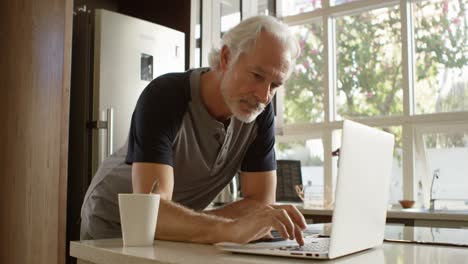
(110, 131)
(99, 124)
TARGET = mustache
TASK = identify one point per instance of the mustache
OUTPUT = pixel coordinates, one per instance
(253, 103)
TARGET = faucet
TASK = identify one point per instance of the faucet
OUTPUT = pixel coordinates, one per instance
(435, 175)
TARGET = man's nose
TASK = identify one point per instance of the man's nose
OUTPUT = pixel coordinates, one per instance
(262, 93)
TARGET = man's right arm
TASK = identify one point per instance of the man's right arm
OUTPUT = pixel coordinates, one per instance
(175, 222)
(178, 223)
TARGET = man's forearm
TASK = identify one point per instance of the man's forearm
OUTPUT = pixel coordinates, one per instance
(236, 209)
(250, 220)
(177, 223)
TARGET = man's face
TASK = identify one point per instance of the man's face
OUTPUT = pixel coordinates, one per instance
(250, 83)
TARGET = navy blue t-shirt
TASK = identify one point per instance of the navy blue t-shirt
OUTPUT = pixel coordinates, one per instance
(170, 125)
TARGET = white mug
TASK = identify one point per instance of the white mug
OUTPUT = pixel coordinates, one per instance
(138, 218)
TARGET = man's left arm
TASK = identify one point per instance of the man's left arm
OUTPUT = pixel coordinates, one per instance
(258, 191)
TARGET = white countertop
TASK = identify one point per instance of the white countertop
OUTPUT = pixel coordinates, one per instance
(112, 251)
(412, 213)
(429, 215)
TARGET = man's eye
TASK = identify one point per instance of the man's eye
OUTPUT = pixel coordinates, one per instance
(257, 76)
(275, 86)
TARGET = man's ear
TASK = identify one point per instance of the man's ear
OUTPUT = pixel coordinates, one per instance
(224, 58)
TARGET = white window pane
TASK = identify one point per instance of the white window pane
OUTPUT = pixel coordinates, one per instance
(441, 58)
(197, 31)
(266, 7)
(294, 7)
(310, 153)
(198, 35)
(369, 77)
(446, 157)
(197, 57)
(339, 2)
(304, 92)
(230, 14)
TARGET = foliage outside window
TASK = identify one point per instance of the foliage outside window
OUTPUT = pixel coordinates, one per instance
(304, 92)
(369, 64)
(294, 7)
(367, 74)
(440, 30)
(361, 75)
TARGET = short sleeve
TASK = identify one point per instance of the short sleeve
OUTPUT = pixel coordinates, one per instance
(157, 118)
(260, 155)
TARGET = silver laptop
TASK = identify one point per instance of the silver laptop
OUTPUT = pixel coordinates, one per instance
(361, 196)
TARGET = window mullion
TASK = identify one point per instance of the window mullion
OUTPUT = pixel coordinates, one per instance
(409, 175)
(249, 8)
(328, 189)
(329, 106)
(407, 37)
(207, 30)
(409, 172)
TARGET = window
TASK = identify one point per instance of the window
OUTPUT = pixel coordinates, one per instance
(401, 66)
(310, 153)
(339, 2)
(304, 93)
(446, 153)
(198, 33)
(368, 62)
(440, 32)
(294, 7)
(398, 66)
(266, 7)
(230, 14)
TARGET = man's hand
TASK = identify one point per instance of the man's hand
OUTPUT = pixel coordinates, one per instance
(297, 218)
(286, 219)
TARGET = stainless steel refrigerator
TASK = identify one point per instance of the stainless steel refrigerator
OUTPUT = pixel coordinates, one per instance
(114, 57)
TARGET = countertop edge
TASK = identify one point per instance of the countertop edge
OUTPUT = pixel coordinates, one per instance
(100, 255)
(399, 214)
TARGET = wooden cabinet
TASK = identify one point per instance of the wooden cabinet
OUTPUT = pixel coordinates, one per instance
(35, 49)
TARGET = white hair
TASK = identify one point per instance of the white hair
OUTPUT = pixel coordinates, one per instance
(242, 37)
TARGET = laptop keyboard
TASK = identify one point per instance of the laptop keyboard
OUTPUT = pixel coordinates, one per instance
(320, 245)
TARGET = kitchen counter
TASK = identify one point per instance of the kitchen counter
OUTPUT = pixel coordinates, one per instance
(410, 217)
(112, 251)
(401, 213)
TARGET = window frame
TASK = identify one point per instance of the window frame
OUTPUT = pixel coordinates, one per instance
(413, 125)
(410, 122)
